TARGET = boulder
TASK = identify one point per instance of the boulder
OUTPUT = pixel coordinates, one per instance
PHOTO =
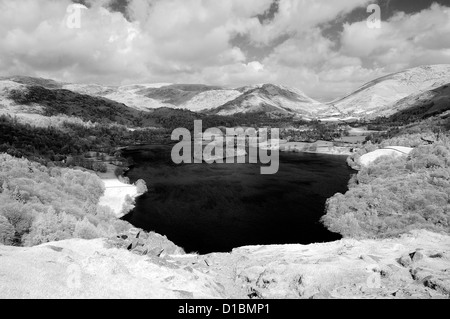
(140, 250)
(134, 232)
(417, 256)
(156, 252)
(405, 261)
(143, 235)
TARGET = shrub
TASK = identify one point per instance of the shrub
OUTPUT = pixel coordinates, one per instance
(99, 167)
(44, 204)
(128, 205)
(18, 218)
(49, 227)
(85, 230)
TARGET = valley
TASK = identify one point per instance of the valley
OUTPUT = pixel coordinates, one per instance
(83, 142)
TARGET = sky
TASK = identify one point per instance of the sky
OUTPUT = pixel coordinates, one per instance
(324, 48)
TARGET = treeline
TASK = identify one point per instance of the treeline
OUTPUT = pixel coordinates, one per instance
(316, 131)
(45, 144)
(41, 204)
(415, 115)
(395, 195)
(171, 119)
(435, 125)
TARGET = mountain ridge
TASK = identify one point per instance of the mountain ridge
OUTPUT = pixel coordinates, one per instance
(378, 98)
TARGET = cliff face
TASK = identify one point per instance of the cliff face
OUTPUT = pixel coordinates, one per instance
(413, 266)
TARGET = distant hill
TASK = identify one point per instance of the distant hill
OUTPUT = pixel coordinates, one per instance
(27, 80)
(267, 98)
(381, 97)
(424, 105)
(270, 98)
(60, 101)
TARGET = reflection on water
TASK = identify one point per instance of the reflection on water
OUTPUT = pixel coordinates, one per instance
(215, 208)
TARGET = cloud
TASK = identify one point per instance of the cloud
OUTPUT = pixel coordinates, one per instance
(171, 39)
(403, 41)
(328, 68)
(35, 40)
(297, 17)
(192, 41)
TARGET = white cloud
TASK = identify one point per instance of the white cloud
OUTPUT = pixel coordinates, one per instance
(190, 41)
(298, 16)
(403, 41)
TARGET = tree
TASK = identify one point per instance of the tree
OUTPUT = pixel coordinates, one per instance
(50, 226)
(100, 167)
(85, 230)
(19, 218)
(6, 231)
(395, 195)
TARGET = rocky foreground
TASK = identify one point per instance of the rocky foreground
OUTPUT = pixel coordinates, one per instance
(140, 265)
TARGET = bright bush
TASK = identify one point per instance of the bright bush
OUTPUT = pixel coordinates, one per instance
(395, 195)
(40, 204)
(86, 230)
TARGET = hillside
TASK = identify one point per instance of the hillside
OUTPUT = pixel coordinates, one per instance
(423, 105)
(271, 98)
(35, 102)
(381, 97)
(384, 96)
(266, 98)
(128, 95)
(216, 100)
(28, 80)
(60, 101)
(41, 204)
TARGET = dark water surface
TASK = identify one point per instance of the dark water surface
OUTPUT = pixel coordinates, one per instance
(215, 208)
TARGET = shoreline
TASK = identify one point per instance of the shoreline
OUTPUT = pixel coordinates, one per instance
(336, 151)
(318, 147)
(315, 148)
(121, 197)
(118, 196)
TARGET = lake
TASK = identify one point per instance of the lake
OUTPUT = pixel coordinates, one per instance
(215, 208)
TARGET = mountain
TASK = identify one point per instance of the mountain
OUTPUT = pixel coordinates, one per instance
(423, 105)
(385, 96)
(28, 80)
(34, 98)
(128, 95)
(266, 98)
(34, 104)
(146, 97)
(271, 98)
(381, 96)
